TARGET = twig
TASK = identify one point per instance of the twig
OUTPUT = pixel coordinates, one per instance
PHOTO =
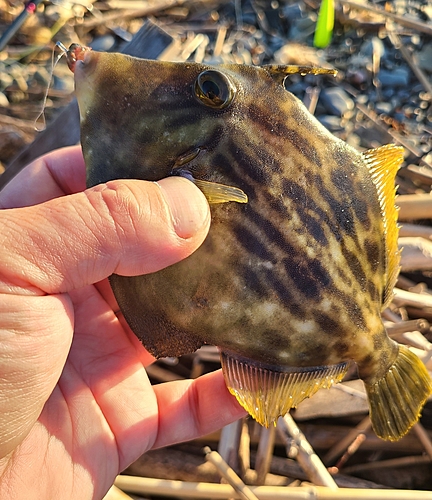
(416, 255)
(351, 391)
(414, 325)
(264, 455)
(415, 339)
(418, 174)
(338, 448)
(386, 464)
(115, 493)
(415, 230)
(402, 297)
(414, 206)
(132, 13)
(229, 443)
(311, 99)
(183, 489)
(227, 473)
(292, 469)
(244, 450)
(422, 78)
(408, 21)
(397, 137)
(306, 456)
(220, 40)
(424, 438)
(352, 448)
(161, 374)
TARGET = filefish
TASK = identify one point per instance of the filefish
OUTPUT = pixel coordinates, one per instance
(302, 255)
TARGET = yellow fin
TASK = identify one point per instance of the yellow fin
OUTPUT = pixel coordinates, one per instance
(395, 401)
(280, 71)
(267, 394)
(219, 193)
(383, 163)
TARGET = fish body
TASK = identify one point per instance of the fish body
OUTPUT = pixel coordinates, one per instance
(289, 285)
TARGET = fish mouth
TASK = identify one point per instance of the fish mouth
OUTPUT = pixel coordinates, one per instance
(268, 392)
(85, 65)
(85, 74)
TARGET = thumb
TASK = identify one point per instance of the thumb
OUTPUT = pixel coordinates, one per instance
(127, 227)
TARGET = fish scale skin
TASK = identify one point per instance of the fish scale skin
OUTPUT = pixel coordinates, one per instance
(293, 278)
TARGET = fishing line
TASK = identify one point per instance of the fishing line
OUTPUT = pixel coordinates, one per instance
(54, 62)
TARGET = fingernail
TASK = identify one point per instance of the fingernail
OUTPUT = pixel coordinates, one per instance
(189, 208)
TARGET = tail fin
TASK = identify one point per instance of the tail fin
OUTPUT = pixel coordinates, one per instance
(396, 400)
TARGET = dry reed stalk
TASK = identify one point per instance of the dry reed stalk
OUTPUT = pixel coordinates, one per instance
(422, 78)
(119, 13)
(264, 454)
(306, 456)
(387, 464)
(402, 20)
(417, 174)
(415, 230)
(414, 206)
(424, 438)
(229, 444)
(339, 448)
(229, 475)
(414, 325)
(404, 298)
(416, 255)
(351, 391)
(398, 138)
(244, 449)
(291, 469)
(115, 493)
(160, 374)
(183, 489)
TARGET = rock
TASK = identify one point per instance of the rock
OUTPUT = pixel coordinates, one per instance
(4, 102)
(12, 141)
(336, 101)
(330, 122)
(383, 107)
(297, 53)
(424, 57)
(103, 43)
(398, 77)
(42, 76)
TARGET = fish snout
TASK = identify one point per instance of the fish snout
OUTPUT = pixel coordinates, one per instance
(85, 66)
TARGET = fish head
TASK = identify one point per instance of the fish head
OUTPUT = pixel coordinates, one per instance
(149, 119)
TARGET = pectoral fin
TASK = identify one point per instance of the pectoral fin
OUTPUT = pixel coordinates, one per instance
(220, 193)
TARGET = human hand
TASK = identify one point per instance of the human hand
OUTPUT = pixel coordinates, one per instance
(76, 406)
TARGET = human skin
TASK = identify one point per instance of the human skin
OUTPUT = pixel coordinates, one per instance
(76, 405)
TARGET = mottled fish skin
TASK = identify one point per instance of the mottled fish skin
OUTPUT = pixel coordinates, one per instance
(295, 278)
(300, 268)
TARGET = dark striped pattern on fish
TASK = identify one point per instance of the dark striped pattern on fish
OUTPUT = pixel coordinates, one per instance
(294, 278)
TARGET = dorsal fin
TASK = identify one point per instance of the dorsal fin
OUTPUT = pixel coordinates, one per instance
(383, 163)
(280, 71)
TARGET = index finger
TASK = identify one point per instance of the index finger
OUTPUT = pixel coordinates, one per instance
(55, 174)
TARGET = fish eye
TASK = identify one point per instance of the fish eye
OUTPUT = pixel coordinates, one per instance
(214, 89)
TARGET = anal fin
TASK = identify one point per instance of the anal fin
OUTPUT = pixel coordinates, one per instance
(267, 393)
